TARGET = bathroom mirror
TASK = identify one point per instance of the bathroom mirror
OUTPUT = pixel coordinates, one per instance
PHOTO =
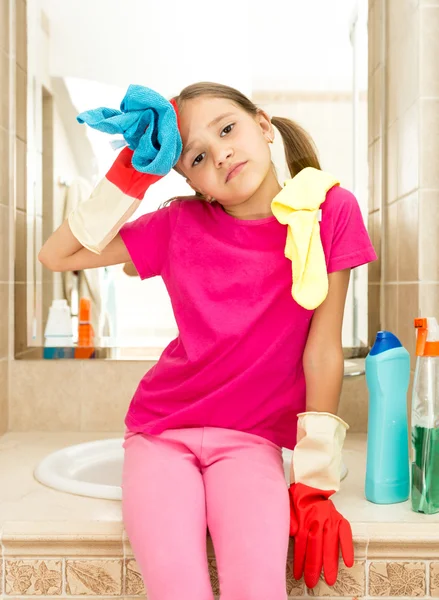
(84, 54)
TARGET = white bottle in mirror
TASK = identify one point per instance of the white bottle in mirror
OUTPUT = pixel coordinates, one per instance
(58, 334)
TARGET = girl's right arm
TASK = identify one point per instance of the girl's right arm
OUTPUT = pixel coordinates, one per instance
(63, 252)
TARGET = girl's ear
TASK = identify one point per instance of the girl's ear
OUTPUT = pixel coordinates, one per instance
(265, 124)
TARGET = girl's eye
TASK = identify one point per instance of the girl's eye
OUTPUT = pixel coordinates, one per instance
(227, 129)
(198, 159)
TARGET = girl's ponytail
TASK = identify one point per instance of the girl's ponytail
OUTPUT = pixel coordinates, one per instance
(300, 151)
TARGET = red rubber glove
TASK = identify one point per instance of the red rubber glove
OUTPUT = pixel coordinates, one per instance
(127, 179)
(319, 530)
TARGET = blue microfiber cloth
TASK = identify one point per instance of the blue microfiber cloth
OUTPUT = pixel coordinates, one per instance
(148, 123)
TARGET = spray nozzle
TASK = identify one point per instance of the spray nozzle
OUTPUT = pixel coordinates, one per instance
(427, 341)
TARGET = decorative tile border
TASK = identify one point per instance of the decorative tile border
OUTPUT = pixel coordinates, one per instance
(395, 579)
(121, 578)
(350, 583)
(33, 577)
(434, 580)
(93, 577)
(103, 566)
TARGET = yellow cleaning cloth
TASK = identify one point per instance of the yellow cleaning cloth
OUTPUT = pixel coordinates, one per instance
(297, 205)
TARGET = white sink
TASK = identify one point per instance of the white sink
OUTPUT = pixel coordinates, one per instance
(94, 469)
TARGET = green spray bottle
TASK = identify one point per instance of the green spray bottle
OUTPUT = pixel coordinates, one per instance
(425, 419)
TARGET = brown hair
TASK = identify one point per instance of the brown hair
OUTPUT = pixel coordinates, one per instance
(300, 151)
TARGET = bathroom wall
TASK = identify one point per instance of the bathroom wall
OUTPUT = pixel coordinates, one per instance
(93, 395)
(403, 164)
(13, 77)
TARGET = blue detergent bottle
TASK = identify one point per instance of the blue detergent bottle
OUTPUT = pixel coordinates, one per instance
(387, 377)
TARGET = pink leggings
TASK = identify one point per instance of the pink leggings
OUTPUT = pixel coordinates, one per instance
(182, 481)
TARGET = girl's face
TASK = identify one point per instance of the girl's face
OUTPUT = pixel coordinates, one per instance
(225, 149)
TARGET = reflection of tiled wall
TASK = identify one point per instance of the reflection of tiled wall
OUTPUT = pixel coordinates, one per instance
(403, 164)
(21, 275)
(5, 201)
(13, 82)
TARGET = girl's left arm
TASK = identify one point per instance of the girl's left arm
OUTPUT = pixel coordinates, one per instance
(323, 361)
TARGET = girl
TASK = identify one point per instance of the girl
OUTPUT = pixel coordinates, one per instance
(206, 426)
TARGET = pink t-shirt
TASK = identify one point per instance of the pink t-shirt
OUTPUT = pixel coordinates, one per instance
(237, 361)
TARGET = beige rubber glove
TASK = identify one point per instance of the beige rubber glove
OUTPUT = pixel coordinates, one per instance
(318, 452)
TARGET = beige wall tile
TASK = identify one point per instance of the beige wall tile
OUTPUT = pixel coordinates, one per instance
(429, 51)
(429, 235)
(38, 231)
(370, 113)
(3, 399)
(93, 577)
(371, 53)
(33, 577)
(38, 332)
(407, 249)
(20, 247)
(4, 90)
(408, 151)
(374, 228)
(370, 176)
(20, 100)
(377, 174)
(354, 403)
(392, 163)
(4, 319)
(408, 62)
(4, 166)
(391, 308)
(391, 81)
(402, 57)
(21, 171)
(350, 582)
(395, 20)
(4, 237)
(408, 310)
(21, 33)
(404, 579)
(429, 300)
(4, 25)
(373, 317)
(107, 389)
(429, 143)
(20, 318)
(45, 395)
(434, 579)
(376, 99)
(401, 12)
(391, 243)
(378, 39)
